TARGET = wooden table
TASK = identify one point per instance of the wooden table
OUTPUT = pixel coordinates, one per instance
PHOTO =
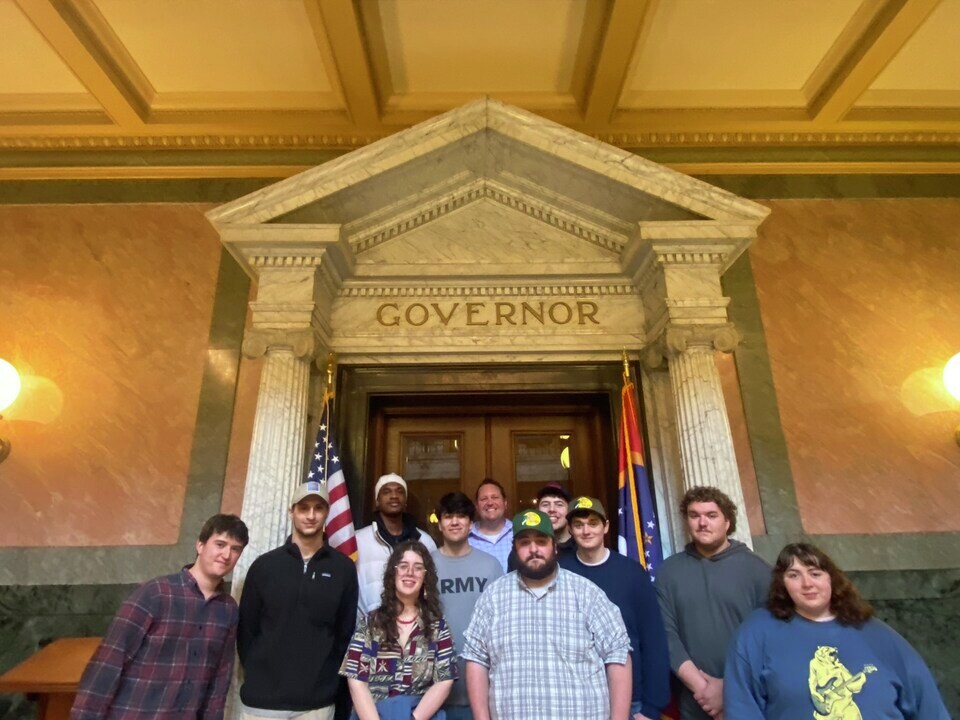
(52, 675)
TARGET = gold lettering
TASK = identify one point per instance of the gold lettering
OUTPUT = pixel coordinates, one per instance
(388, 323)
(505, 311)
(582, 307)
(473, 309)
(565, 307)
(409, 314)
(527, 308)
(445, 319)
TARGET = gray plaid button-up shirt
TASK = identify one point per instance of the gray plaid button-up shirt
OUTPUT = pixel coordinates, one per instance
(547, 655)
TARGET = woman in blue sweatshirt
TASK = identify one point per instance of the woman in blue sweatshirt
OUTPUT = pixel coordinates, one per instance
(817, 652)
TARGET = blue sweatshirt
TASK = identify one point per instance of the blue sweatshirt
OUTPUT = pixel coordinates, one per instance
(628, 586)
(798, 669)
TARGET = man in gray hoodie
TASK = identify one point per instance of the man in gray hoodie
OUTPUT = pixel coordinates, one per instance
(705, 592)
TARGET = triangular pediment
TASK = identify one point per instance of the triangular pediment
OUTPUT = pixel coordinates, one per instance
(486, 229)
(485, 238)
(493, 141)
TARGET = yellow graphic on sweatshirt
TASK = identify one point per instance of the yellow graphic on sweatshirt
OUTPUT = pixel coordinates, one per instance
(832, 686)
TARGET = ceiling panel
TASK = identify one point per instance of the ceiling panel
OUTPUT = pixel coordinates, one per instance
(29, 67)
(926, 71)
(729, 53)
(220, 46)
(465, 46)
(336, 74)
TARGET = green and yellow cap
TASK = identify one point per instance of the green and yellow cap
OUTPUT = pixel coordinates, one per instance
(532, 520)
(584, 505)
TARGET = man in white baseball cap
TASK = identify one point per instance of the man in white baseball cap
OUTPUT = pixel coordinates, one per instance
(391, 526)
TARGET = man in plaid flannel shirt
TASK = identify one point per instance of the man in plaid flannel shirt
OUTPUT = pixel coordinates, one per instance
(169, 650)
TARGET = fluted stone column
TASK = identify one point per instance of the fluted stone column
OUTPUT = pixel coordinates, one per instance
(299, 270)
(276, 460)
(276, 450)
(677, 268)
(703, 428)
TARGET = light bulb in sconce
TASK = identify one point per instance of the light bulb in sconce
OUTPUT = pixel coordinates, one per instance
(951, 380)
(9, 390)
(951, 376)
(9, 384)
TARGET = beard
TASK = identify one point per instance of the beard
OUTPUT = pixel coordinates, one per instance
(545, 570)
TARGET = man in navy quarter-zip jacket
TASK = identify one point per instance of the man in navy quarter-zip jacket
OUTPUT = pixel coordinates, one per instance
(297, 614)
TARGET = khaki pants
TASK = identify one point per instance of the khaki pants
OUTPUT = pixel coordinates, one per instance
(324, 713)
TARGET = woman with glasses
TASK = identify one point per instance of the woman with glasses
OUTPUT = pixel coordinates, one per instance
(817, 653)
(400, 663)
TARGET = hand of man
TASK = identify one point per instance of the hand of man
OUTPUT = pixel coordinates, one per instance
(710, 696)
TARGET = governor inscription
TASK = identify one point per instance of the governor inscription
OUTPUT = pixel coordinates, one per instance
(463, 314)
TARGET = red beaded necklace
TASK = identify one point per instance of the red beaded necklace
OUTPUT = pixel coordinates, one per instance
(407, 622)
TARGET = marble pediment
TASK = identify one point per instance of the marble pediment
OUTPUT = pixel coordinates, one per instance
(486, 231)
(487, 142)
(487, 238)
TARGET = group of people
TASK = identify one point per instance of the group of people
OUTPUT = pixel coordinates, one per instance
(532, 617)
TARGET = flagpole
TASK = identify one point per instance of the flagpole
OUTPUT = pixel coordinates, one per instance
(327, 411)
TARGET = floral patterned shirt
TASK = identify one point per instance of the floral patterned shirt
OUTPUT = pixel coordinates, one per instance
(389, 671)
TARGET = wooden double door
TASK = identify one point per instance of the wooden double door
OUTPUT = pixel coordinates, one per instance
(452, 443)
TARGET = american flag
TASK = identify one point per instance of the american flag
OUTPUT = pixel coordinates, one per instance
(325, 467)
(639, 535)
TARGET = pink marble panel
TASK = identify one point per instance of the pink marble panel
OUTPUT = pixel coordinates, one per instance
(859, 299)
(730, 381)
(241, 431)
(110, 305)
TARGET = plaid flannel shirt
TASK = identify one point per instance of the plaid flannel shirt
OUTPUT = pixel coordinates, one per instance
(547, 655)
(168, 654)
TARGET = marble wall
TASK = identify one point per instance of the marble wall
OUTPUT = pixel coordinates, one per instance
(107, 310)
(860, 300)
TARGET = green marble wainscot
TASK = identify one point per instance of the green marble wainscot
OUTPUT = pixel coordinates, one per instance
(32, 616)
(924, 607)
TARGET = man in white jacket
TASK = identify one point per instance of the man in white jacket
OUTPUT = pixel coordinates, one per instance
(391, 526)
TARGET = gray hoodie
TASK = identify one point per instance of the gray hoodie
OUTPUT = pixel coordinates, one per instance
(704, 600)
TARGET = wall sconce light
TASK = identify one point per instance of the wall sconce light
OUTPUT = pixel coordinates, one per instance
(951, 381)
(9, 390)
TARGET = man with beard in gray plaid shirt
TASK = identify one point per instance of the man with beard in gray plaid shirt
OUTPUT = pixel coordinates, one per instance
(545, 642)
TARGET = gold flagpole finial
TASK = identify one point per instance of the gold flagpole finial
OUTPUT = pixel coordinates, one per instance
(331, 362)
(626, 367)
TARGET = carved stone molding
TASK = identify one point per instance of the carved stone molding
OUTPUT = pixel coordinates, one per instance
(552, 290)
(286, 261)
(509, 197)
(740, 139)
(253, 140)
(257, 341)
(676, 339)
(348, 141)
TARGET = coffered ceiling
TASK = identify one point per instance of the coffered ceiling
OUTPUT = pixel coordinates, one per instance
(290, 75)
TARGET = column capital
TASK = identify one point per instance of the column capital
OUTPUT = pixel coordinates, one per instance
(302, 342)
(283, 246)
(676, 339)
